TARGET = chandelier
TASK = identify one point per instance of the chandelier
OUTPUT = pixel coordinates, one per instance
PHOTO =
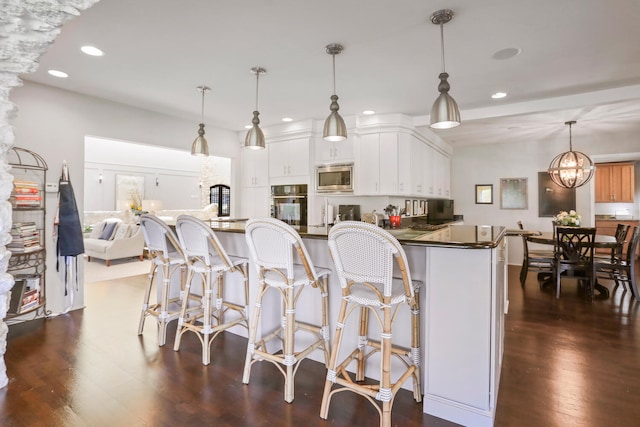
(571, 169)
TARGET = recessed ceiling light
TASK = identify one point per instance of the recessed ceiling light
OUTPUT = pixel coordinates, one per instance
(92, 50)
(248, 126)
(287, 119)
(368, 112)
(498, 95)
(56, 73)
(507, 53)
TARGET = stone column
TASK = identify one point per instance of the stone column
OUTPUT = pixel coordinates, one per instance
(27, 29)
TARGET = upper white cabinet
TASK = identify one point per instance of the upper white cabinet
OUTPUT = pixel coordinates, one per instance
(289, 158)
(255, 167)
(334, 152)
(376, 169)
(441, 175)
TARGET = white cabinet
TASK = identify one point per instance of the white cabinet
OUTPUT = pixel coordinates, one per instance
(255, 167)
(255, 202)
(289, 158)
(404, 165)
(464, 349)
(376, 166)
(334, 152)
(441, 175)
(418, 166)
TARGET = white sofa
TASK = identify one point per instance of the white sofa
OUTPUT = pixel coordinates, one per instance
(123, 241)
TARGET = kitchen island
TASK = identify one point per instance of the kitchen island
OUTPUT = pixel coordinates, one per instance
(463, 303)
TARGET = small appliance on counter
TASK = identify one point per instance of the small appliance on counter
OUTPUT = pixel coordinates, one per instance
(349, 212)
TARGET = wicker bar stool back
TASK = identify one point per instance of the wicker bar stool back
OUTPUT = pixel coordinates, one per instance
(283, 264)
(364, 257)
(208, 261)
(162, 244)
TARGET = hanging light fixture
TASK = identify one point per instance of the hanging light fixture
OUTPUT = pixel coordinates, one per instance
(334, 127)
(445, 113)
(571, 169)
(200, 146)
(255, 137)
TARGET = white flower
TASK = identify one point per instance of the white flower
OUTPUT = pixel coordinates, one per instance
(572, 218)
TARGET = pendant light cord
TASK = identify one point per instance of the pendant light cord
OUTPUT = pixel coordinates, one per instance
(257, 83)
(334, 73)
(570, 143)
(442, 45)
(202, 109)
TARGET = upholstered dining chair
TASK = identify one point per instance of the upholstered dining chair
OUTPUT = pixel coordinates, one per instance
(284, 267)
(167, 255)
(364, 256)
(538, 260)
(622, 271)
(574, 255)
(208, 261)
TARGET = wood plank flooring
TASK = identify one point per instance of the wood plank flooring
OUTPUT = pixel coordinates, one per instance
(567, 362)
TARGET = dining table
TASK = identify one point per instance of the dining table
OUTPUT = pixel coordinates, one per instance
(601, 241)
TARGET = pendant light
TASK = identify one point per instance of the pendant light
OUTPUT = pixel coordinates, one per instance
(445, 113)
(571, 169)
(334, 127)
(200, 146)
(255, 137)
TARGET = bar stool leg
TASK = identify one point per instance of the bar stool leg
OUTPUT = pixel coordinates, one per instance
(206, 321)
(324, 291)
(289, 330)
(385, 395)
(145, 301)
(362, 342)
(253, 330)
(331, 368)
(183, 310)
(164, 305)
(415, 346)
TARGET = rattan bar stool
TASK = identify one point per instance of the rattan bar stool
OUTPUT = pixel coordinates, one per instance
(364, 256)
(166, 254)
(208, 261)
(283, 264)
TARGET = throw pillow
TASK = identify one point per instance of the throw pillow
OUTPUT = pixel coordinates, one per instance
(97, 230)
(107, 231)
(122, 231)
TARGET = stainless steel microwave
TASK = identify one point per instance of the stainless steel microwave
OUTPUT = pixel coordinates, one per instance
(336, 178)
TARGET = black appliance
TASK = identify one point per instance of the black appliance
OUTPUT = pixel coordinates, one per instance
(349, 212)
(289, 204)
(439, 211)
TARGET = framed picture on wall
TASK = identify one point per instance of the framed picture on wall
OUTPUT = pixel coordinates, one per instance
(129, 191)
(513, 193)
(416, 208)
(484, 194)
(408, 208)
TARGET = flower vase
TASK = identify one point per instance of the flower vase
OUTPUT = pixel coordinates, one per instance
(394, 221)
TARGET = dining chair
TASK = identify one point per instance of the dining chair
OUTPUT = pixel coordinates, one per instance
(622, 271)
(574, 255)
(539, 260)
(364, 257)
(166, 255)
(617, 252)
(222, 307)
(285, 268)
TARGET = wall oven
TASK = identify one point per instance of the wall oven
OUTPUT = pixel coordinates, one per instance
(289, 204)
(334, 178)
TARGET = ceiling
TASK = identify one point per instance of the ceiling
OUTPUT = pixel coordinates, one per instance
(579, 61)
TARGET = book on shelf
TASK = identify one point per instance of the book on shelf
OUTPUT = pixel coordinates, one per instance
(25, 294)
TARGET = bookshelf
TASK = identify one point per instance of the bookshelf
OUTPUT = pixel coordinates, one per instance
(28, 250)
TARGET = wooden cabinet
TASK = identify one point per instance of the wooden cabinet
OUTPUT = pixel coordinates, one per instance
(28, 251)
(614, 182)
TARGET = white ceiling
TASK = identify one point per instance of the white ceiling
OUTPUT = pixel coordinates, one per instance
(580, 60)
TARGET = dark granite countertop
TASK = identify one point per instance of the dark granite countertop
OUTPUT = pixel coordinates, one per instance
(460, 236)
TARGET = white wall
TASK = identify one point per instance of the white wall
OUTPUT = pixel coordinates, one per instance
(487, 163)
(54, 123)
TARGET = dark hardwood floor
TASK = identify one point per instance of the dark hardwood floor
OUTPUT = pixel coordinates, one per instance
(567, 362)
